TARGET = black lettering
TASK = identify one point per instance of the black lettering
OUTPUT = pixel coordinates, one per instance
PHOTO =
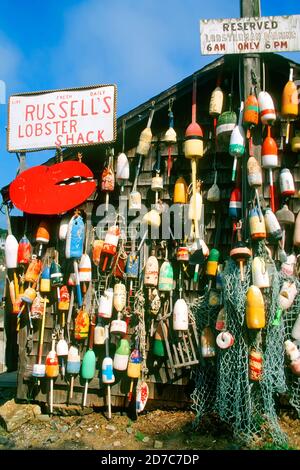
(274, 25)
(225, 26)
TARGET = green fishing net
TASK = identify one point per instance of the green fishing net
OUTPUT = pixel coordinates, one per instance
(222, 383)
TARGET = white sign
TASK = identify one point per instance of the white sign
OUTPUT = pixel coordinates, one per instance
(62, 118)
(242, 35)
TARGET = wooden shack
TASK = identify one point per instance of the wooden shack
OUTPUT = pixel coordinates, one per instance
(167, 386)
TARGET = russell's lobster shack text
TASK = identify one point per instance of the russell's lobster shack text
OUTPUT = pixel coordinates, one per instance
(62, 118)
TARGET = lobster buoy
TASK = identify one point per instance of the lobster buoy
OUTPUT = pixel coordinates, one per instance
(24, 250)
(180, 316)
(119, 297)
(212, 262)
(285, 216)
(289, 102)
(208, 343)
(182, 253)
(52, 365)
(269, 153)
(254, 172)
(56, 276)
(29, 295)
(42, 235)
(134, 364)
(165, 280)
(255, 308)
(75, 237)
(151, 272)
(286, 182)
(180, 191)
(122, 172)
(225, 124)
(296, 238)
(64, 299)
(195, 205)
(257, 224)
(237, 142)
(11, 252)
(260, 275)
(85, 268)
(96, 251)
(266, 108)
(110, 245)
(251, 111)
(121, 355)
(118, 326)
(216, 102)
(106, 303)
(255, 365)
(235, 204)
(45, 285)
(273, 229)
(73, 361)
(82, 323)
(33, 270)
(221, 320)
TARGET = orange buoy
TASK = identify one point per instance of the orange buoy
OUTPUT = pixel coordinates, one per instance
(255, 308)
(289, 103)
(251, 111)
(255, 365)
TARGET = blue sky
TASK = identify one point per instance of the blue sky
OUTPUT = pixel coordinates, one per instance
(142, 46)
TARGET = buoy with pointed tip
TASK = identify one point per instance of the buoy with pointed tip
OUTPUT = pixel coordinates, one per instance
(62, 350)
(255, 308)
(64, 299)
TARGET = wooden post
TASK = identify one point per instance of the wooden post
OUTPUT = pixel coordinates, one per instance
(251, 70)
